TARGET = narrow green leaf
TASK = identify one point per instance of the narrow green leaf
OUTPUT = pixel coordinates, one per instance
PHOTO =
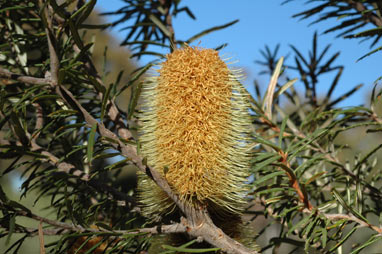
(286, 211)
(3, 196)
(91, 142)
(370, 241)
(69, 126)
(105, 100)
(4, 120)
(346, 95)
(160, 25)
(83, 52)
(300, 224)
(182, 246)
(134, 101)
(188, 250)
(373, 98)
(267, 177)
(274, 199)
(118, 164)
(309, 163)
(82, 245)
(309, 228)
(261, 157)
(46, 97)
(324, 237)
(74, 31)
(16, 7)
(374, 130)
(104, 226)
(302, 144)
(18, 205)
(299, 55)
(289, 123)
(263, 141)
(333, 85)
(136, 76)
(263, 164)
(145, 42)
(151, 53)
(63, 113)
(282, 129)
(220, 47)
(188, 11)
(11, 229)
(343, 240)
(19, 130)
(367, 156)
(84, 12)
(285, 87)
(370, 53)
(94, 26)
(106, 155)
(369, 32)
(59, 9)
(267, 191)
(347, 207)
(207, 31)
(117, 81)
(314, 177)
(98, 86)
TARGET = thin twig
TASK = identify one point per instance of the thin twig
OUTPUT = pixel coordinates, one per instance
(294, 183)
(317, 147)
(70, 169)
(112, 111)
(64, 228)
(41, 238)
(335, 217)
(330, 216)
(4, 73)
(39, 120)
(120, 197)
(166, 4)
(54, 61)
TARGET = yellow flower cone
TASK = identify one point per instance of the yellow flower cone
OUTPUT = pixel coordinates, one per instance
(195, 131)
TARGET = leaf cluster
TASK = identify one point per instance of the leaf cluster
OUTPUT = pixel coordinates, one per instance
(352, 17)
(50, 88)
(300, 174)
(62, 130)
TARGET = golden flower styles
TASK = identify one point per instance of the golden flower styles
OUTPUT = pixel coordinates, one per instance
(195, 131)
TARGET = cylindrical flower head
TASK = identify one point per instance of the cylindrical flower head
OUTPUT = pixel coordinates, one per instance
(195, 131)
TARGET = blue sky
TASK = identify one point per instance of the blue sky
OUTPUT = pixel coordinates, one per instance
(267, 22)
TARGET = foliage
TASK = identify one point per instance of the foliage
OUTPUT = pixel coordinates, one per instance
(354, 15)
(63, 130)
(301, 175)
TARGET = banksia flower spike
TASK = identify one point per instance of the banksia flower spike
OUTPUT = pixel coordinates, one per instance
(195, 131)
